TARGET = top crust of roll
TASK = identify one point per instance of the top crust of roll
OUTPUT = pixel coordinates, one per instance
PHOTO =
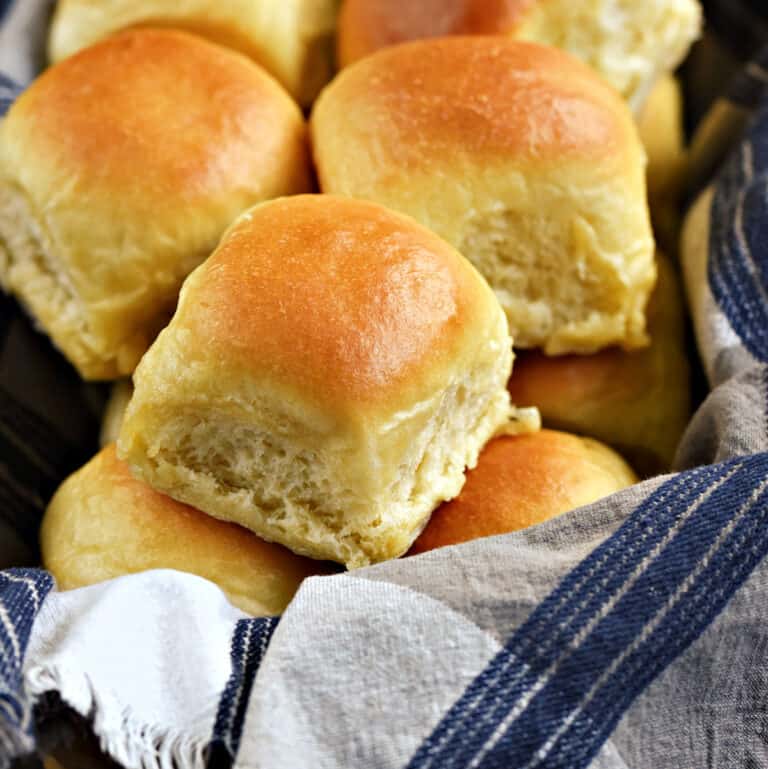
(291, 39)
(339, 301)
(486, 98)
(107, 115)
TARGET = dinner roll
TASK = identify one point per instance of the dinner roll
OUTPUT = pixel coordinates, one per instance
(629, 43)
(291, 39)
(525, 480)
(103, 523)
(638, 402)
(329, 373)
(120, 168)
(519, 156)
(662, 134)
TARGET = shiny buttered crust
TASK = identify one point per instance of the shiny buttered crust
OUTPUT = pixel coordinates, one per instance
(291, 39)
(102, 523)
(328, 375)
(519, 156)
(629, 42)
(525, 480)
(638, 402)
(120, 168)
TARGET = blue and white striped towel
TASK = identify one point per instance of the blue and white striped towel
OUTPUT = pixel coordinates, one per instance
(627, 635)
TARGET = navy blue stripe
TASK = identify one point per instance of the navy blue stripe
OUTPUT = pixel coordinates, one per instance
(568, 609)
(22, 592)
(9, 91)
(765, 395)
(730, 568)
(489, 700)
(639, 534)
(5, 6)
(615, 634)
(249, 644)
(6, 82)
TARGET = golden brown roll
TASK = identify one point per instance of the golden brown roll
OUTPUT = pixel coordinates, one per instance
(662, 134)
(637, 402)
(525, 480)
(518, 155)
(120, 168)
(103, 523)
(291, 39)
(328, 375)
(630, 43)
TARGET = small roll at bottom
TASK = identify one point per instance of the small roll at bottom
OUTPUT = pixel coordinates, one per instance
(102, 523)
(525, 480)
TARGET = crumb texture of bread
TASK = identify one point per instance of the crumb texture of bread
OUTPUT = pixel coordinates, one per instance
(120, 169)
(103, 523)
(291, 39)
(630, 43)
(330, 372)
(525, 480)
(520, 157)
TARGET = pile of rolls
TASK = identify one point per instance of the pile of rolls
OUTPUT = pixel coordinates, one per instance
(347, 303)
